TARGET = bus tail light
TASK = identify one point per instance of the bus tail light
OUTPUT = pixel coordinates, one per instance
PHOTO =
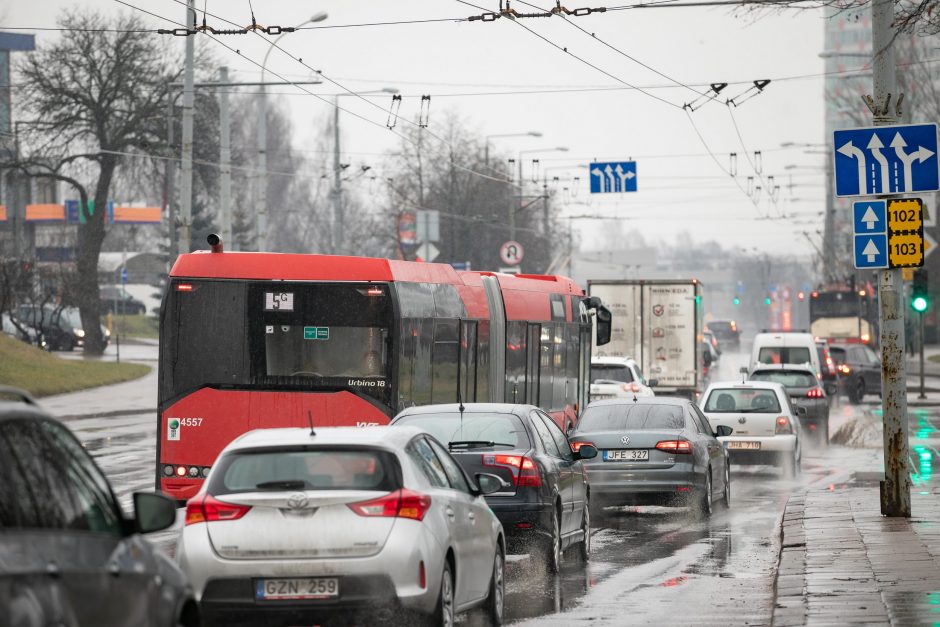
(401, 503)
(524, 471)
(679, 447)
(209, 509)
(783, 426)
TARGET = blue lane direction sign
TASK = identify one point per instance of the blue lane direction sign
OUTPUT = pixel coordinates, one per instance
(613, 177)
(870, 217)
(899, 159)
(871, 251)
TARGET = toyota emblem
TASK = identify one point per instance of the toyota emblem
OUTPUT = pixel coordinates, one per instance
(625, 439)
(742, 420)
(297, 501)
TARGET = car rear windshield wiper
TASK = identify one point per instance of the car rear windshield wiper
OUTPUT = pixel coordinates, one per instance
(477, 444)
(281, 485)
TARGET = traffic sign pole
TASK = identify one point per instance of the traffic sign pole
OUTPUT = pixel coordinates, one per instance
(921, 396)
(896, 488)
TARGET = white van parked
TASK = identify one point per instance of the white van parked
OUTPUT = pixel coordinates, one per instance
(785, 348)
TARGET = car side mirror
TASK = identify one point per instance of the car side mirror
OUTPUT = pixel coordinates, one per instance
(652, 383)
(723, 431)
(153, 512)
(587, 451)
(489, 483)
(801, 411)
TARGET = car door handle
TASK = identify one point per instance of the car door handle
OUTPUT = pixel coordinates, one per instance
(450, 512)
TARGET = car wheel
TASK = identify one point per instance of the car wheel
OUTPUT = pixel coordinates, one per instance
(67, 344)
(858, 391)
(726, 497)
(494, 603)
(789, 465)
(443, 614)
(584, 547)
(553, 550)
(705, 503)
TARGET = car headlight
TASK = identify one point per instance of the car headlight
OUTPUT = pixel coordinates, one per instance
(79, 333)
(107, 332)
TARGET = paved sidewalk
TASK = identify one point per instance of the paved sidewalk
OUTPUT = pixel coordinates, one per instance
(842, 562)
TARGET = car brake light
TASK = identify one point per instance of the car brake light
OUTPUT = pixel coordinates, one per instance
(576, 446)
(398, 504)
(524, 471)
(675, 446)
(184, 287)
(209, 509)
(845, 369)
(374, 291)
(631, 387)
(783, 426)
(815, 393)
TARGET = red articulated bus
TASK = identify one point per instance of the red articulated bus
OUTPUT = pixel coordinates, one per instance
(261, 340)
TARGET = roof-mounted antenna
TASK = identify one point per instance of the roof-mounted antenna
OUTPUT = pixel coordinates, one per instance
(460, 408)
(310, 420)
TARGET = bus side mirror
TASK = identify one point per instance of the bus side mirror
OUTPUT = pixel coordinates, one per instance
(603, 319)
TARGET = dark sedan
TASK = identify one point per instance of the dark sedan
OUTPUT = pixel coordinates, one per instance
(68, 556)
(805, 391)
(544, 504)
(859, 370)
(653, 450)
(726, 331)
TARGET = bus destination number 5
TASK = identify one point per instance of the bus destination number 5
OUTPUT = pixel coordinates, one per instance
(278, 301)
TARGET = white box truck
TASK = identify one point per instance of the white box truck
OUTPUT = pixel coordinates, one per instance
(658, 323)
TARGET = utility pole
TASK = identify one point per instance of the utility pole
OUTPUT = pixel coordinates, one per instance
(896, 488)
(337, 185)
(261, 189)
(829, 229)
(225, 162)
(170, 175)
(186, 184)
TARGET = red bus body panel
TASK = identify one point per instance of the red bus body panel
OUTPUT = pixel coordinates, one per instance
(227, 414)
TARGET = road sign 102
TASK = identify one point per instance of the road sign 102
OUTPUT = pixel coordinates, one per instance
(905, 233)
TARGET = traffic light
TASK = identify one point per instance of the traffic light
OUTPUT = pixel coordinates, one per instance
(767, 300)
(736, 301)
(920, 299)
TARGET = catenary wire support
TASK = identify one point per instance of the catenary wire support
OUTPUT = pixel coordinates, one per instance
(758, 161)
(424, 116)
(733, 164)
(393, 111)
(755, 89)
(713, 90)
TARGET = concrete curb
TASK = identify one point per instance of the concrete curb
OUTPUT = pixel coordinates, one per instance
(789, 600)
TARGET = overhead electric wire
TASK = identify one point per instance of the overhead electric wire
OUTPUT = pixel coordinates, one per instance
(591, 65)
(347, 92)
(618, 50)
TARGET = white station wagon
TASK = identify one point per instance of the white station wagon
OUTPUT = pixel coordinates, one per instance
(765, 423)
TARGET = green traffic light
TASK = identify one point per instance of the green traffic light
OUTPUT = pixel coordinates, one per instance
(919, 304)
(736, 301)
(767, 301)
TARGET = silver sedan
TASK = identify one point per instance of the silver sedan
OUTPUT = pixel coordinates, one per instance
(294, 525)
(653, 451)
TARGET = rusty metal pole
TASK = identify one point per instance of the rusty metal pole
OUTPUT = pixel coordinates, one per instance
(896, 488)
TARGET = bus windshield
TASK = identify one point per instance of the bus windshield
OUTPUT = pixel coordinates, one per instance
(261, 334)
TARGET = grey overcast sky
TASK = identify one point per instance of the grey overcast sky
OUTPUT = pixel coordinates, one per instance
(681, 188)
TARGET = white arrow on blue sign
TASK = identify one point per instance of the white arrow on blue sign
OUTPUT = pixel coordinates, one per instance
(871, 251)
(613, 177)
(899, 159)
(870, 217)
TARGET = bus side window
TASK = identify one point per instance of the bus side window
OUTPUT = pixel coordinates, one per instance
(546, 368)
(468, 361)
(483, 361)
(515, 362)
(421, 385)
(444, 362)
(406, 363)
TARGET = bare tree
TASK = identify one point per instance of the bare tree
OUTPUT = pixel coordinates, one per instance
(92, 96)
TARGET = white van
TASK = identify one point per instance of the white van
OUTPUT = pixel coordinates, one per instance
(785, 348)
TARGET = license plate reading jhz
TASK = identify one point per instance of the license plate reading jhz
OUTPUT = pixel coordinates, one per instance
(745, 445)
(627, 455)
(309, 588)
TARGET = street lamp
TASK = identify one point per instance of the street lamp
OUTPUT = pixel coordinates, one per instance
(486, 140)
(262, 205)
(337, 191)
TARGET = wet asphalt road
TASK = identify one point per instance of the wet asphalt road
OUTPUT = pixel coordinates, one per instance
(649, 565)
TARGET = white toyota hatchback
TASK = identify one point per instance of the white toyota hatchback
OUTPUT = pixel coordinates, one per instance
(293, 526)
(765, 423)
